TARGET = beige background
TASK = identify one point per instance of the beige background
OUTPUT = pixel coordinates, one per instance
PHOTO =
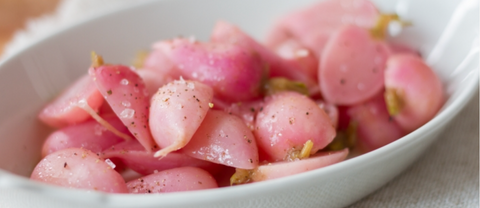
(13, 14)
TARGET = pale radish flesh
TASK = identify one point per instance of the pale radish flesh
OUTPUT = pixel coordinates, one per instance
(134, 156)
(177, 110)
(173, 180)
(314, 25)
(234, 73)
(374, 126)
(288, 120)
(65, 110)
(224, 139)
(79, 168)
(276, 170)
(352, 66)
(125, 92)
(414, 93)
(89, 135)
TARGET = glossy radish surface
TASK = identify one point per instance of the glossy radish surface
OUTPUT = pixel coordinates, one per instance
(416, 93)
(125, 92)
(234, 72)
(288, 120)
(286, 168)
(314, 25)
(134, 156)
(173, 180)
(79, 168)
(224, 32)
(65, 110)
(352, 66)
(375, 127)
(177, 110)
(89, 135)
(224, 139)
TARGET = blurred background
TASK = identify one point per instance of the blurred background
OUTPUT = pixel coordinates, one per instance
(15, 13)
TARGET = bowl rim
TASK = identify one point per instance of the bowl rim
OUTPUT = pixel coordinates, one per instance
(10, 180)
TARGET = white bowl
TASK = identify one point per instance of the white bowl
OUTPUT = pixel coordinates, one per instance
(446, 34)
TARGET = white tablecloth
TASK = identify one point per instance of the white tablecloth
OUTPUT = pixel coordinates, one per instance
(446, 176)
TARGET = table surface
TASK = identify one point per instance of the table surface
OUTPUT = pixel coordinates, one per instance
(447, 175)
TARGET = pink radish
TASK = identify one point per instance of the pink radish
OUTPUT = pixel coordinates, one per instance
(65, 109)
(331, 110)
(352, 66)
(127, 95)
(159, 62)
(173, 180)
(314, 25)
(286, 168)
(414, 93)
(235, 74)
(374, 126)
(225, 32)
(89, 135)
(247, 111)
(224, 139)
(293, 51)
(152, 79)
(288, 122)
(177, 110)
(79, 168)
(134, 156)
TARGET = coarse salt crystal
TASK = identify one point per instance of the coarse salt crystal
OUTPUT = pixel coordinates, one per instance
(127, 113)
(126, 104)
(110, 163)
(124, 82)
(191, 85)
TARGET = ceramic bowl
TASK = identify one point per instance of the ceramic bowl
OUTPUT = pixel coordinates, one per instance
(445, 32)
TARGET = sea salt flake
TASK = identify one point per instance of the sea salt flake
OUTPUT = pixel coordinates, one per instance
(110, 163)
(126, 104)
(191, 85)
(124, 82)
(127, 113)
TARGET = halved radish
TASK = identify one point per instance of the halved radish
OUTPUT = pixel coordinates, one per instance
(177, 110)
(65, 109)
(125, 92)
(352, 66)
(275, 170)
(89, 135)
(224, 139)
(314, 25)
(234, 73)
(134, 156)
(374, 126)
(288, 122)
(225, 32)
(173, 180)
(414, 93)
(79, 168)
